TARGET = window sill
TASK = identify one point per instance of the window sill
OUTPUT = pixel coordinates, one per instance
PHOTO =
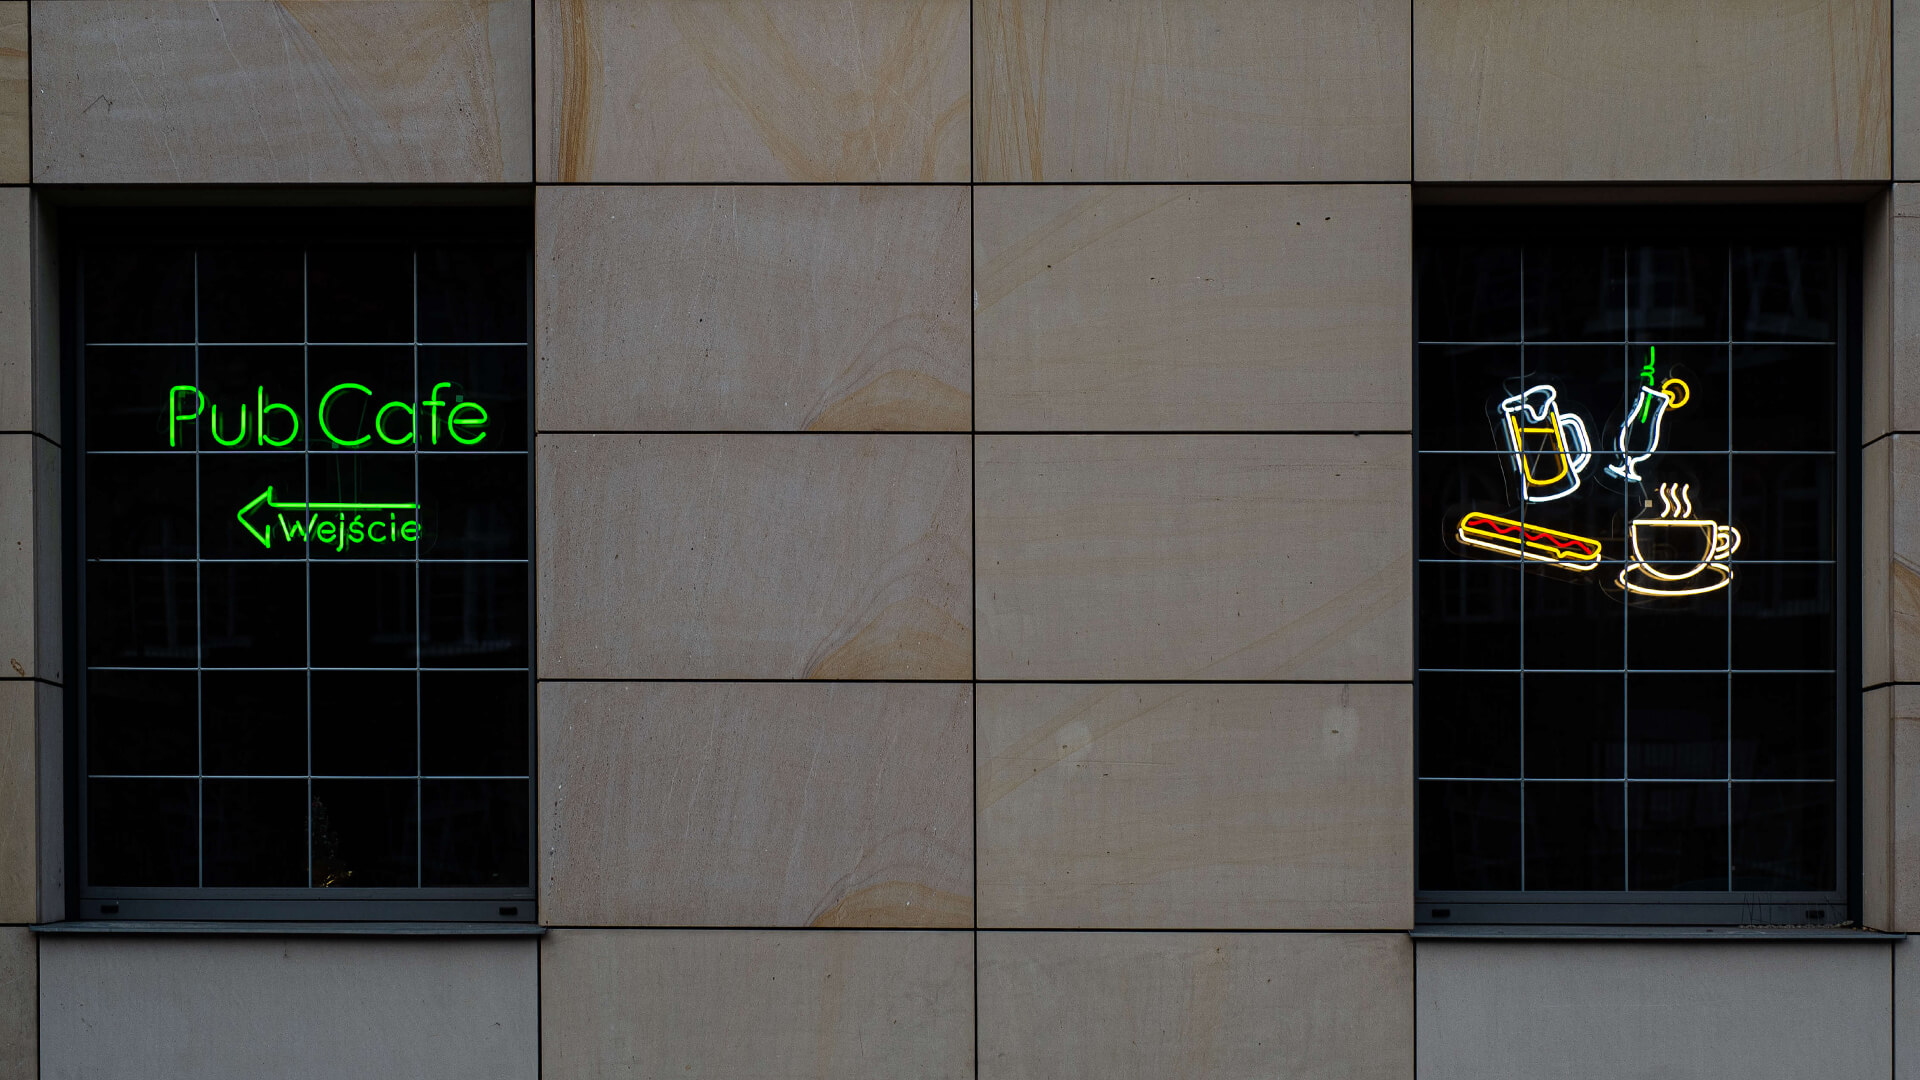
(290, 929)
(1653, 933)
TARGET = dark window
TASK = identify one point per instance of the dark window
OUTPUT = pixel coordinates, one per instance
(302, 489)
(1632, 521)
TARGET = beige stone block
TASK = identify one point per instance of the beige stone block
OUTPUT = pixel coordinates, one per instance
(1651, 90)
(1093, 90)
(755, 556)
(1906, 87)
(244, 91)
(1893, 384)
(1892, 798)
(1717, 1010)
(18, 387)
(50, 724)
(1110, 1006)
(1170, 806)
(1906, 1010)
(752, 90)
(1204, 557)
(19, 814)
(1877, 570)
(1877, 313)
(242, 1008)
(1876, 809)
(13, 92)
(740, 1004)
(1277, 308)
(19, 1027)
(29, 557)
(756, 804)
(753, 308)
(1903, 570)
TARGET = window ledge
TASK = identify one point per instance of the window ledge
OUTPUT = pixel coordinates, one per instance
(291, 929)
(1653, 933)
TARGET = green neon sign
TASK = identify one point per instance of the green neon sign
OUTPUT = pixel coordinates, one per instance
(186, 405)
(365, 527)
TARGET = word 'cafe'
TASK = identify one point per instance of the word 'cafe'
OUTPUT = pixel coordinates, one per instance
(185, 404)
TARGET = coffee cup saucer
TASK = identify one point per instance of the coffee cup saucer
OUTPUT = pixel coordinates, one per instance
(1704, 578)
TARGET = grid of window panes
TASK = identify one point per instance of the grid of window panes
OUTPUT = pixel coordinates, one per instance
(1662, 719)
(346, 709)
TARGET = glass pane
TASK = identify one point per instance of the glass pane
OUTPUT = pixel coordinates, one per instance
(238, 516)
(365, 833)
(137, 294)
(1677, 836)
(1576, 294)
(140, 506)
(1783, 616)
(1469, 835)
(1461, 387)
(1783, 836)
(473, 293)
(1784, 293)
(1454, 486)
(363, 723)
(253, 615)
(143, 833)
(362, 399)
(142, 722)
(1575, 621)
(1470, 294)
(475, 615)
(1783, 727)
(251, 294)
(1576, 836)
(254, 723)
(1783, 397)
(1469, 725)
(1784, 506)
(1678, 632)
(363, 615)
(486, 389)
(379, 487)
(1679, 293)
(360, 294)
(141, 615)
(1677, 727)
(474, 723)
(1469, 616)
(132, 403)
(1573, 726)
(1697, 417)
(241, 383)
(256, 832)
(473, 507)
(475, 832)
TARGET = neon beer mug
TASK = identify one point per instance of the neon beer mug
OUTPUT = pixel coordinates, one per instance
(1550, 448)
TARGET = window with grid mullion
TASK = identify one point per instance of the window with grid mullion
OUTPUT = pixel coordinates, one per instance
(305, 566)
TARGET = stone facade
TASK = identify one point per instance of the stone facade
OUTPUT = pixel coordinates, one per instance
(1022, 720)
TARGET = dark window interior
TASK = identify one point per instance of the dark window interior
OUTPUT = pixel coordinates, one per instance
(1620, 700)
(304, 618)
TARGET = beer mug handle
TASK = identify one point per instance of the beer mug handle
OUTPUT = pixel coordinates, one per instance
(1573, 431)
(1726, 541)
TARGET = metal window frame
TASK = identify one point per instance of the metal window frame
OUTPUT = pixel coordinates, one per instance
(1841, 225)
(204, 219)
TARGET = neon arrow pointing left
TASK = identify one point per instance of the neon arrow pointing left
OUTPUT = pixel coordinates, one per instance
(264, 534)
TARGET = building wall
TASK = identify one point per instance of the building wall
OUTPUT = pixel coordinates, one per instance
(1009, 714)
